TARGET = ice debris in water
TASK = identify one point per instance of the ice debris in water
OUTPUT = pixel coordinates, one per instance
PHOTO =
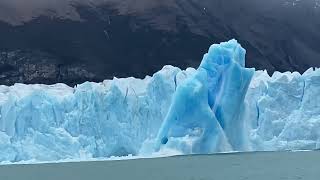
(221, 106)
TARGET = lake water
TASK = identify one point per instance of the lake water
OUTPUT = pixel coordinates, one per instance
(232, 166)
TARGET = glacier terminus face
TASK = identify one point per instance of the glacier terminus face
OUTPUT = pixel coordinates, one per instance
(219, 107)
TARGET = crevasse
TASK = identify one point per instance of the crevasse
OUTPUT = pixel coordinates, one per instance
(221, 106)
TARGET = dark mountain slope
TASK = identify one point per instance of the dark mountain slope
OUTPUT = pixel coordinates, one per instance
(44, 41)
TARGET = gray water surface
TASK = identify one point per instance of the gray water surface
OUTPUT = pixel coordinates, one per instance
(235, 166)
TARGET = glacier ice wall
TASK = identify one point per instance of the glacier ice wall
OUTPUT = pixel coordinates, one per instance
(207, 106)
(284, 111)
(55, 122)
(219, 109)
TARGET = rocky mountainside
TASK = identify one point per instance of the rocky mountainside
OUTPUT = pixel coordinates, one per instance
(71, 41)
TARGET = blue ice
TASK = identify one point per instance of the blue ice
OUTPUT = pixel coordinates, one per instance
(208, 105)
(220, 106)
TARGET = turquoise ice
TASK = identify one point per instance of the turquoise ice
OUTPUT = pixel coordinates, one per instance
(208, 105)
(221, 106)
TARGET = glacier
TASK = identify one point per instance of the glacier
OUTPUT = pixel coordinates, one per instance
(219, 107)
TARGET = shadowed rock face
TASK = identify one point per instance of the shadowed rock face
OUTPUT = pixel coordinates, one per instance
(71, 41)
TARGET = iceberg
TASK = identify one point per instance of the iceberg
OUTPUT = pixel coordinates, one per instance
(221, 106)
